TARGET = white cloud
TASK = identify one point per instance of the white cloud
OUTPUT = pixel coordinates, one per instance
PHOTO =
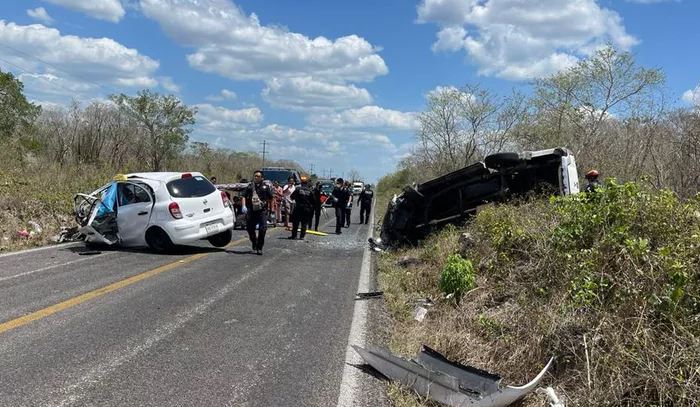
(305, 93)
(515, 39)
(692, 96)
(40, 14)
(167, 83)
(109, 10)
(51, 89)
(235, 45)
(42, 50)
(224, 94)
(367, 117)
(217, 119)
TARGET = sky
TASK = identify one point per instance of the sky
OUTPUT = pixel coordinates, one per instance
(334, 85)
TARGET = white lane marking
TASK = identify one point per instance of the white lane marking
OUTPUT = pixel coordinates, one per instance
(54, 266)
(350, 383)
(53, 246)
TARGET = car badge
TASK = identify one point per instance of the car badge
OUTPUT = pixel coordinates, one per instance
(205, 202)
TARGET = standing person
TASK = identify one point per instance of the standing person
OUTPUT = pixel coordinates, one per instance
(287, 192)
(213, 180)
(317, 206)
(277, 202)
(593, 182)
(303, 208)
(365, 202)
(256, 200)
(340, 199)
(348, 205)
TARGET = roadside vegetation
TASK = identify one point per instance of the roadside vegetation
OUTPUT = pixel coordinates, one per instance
(49, 154)
(608, 283)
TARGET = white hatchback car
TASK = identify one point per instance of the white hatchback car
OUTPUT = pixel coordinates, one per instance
(155, 209)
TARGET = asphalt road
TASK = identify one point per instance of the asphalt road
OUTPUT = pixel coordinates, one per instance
(203, 327)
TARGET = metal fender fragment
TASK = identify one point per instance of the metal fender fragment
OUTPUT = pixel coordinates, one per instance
(432, 375)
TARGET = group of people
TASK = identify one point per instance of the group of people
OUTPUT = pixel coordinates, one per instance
(301, 201)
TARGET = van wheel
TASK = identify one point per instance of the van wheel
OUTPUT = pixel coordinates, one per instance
(502, 160)
(158, 240)
(221, 239)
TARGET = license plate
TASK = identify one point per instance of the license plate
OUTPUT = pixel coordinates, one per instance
(213, 228)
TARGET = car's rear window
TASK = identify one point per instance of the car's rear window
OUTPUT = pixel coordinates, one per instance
(192, 187)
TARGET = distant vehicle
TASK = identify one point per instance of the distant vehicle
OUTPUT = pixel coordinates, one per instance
(357, 187)
(451, 198)
(281, 175)
(326, 191)
(155, 209)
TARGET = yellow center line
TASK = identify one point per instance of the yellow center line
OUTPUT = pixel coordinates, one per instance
(72, 302)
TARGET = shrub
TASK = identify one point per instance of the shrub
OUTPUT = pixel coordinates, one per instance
(457, 276)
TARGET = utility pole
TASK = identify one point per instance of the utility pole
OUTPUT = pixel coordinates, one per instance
(311, 168)
(264, 144)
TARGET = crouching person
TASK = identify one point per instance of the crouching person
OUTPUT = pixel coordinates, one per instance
(256, 201)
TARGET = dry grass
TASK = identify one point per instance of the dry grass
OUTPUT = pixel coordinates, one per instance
(607, 286)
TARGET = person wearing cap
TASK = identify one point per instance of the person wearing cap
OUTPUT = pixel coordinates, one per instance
(303, 199)
(593, 182)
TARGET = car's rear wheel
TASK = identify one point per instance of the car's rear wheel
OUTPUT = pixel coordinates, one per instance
(221, 239)
(158, 240)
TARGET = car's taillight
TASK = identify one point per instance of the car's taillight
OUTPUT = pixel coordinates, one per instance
(174, 209)
(224, 198)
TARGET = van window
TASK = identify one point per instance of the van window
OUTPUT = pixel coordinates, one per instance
(192, 187)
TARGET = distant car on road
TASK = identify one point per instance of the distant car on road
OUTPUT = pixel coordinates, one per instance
(155, 209)
(357, 187)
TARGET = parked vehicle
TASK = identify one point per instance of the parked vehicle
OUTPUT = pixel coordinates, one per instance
(281, 175)
(357, 187)
(155, 209)
(453, 197)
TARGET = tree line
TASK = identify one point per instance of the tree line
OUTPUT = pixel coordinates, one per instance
(145, 132)
(610, 111)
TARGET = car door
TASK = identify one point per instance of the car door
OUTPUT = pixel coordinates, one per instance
(133, 213)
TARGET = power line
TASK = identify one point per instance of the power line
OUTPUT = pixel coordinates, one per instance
(109, 87)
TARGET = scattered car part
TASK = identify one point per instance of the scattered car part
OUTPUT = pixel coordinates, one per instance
(372, 294)
(451, 198)
(419, 313)
(432, 375)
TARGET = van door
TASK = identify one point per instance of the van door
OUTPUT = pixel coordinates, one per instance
(133, 213)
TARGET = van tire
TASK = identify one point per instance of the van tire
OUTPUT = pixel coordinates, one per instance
(502, 160)
(221, 239)
(158, 241)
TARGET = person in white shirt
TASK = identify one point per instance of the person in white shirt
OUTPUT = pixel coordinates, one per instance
(287, 201)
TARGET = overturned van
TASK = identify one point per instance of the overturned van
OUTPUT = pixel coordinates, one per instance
(421, 209)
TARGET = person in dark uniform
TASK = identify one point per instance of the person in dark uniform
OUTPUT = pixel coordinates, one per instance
(365, 201)
(348, 205)
(303, 198)
(340, 200)
(317, 207)
(593, 182)
(256, 201)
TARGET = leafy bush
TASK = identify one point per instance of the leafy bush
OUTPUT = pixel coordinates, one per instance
(607, 282)
(457, 276)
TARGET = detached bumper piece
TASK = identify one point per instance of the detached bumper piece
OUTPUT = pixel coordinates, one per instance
(432, 375)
